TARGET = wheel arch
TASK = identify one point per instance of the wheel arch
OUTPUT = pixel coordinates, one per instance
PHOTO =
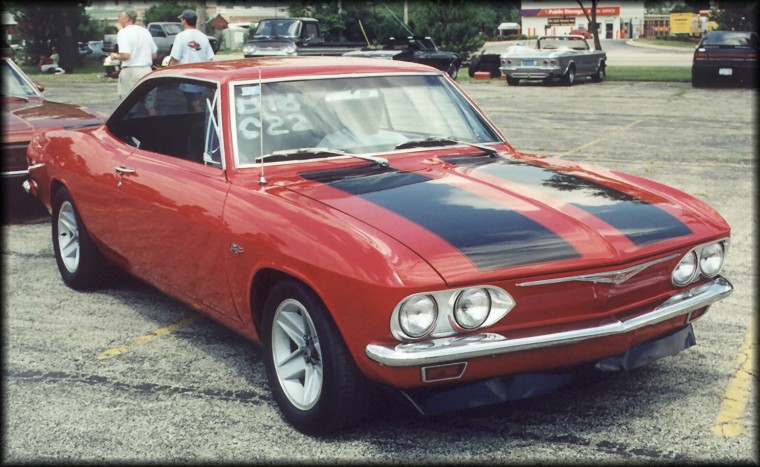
(262, 284)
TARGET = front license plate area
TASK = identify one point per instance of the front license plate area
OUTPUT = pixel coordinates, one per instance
(528, 63)
(725, 71)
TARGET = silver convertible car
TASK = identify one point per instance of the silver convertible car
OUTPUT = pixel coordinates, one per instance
(563, 57)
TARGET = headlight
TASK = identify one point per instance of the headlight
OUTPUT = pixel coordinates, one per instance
(685, 270)
(249, 49)
(290, 49)
(711, 259)
(472, 308)
(417, 316)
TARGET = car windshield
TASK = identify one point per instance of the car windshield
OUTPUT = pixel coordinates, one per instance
(278, 28)
(14, 83)
(173, 29)
(354, 115)
(575, 43)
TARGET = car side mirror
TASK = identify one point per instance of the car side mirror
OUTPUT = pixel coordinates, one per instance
(39, 87)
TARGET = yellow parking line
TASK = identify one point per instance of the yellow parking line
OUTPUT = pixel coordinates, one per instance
(145, 338)
(729, 423)
(579, 148)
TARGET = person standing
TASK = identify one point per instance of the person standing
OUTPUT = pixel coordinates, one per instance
(136, 51)
(191, 46)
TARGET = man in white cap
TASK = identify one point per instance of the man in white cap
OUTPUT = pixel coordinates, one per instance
(136, 51)
(191, 46)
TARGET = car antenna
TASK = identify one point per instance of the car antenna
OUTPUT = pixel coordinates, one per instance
(396, 18)
(262, 180)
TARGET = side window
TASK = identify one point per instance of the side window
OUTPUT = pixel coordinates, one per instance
(155, 30)
(310, 31)
(174, 118)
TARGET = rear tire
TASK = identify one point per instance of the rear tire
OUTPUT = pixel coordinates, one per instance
(569, 77)
(81, 265)
(313, 377)
(697, 81)
(598, 77)
(453, 71)
(473, 68)
(512, 81)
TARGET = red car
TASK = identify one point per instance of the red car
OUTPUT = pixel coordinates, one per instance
(365, 223)
(25, 112)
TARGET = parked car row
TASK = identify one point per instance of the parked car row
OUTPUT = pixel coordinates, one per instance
(721, 58)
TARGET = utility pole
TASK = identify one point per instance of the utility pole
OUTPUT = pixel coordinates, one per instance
(200, 10)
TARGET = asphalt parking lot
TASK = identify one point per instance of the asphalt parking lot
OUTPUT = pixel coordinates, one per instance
(127, 374)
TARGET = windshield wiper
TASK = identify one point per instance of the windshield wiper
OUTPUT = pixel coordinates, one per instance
(445, 141)
(321, 151)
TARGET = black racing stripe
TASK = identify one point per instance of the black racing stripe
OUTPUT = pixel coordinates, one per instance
(641, 222)
(491, 236)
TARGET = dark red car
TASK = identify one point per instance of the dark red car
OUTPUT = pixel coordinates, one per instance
(26, 112)
(368, 225)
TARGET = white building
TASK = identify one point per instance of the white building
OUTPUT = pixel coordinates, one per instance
(620, 19)
(232, 11)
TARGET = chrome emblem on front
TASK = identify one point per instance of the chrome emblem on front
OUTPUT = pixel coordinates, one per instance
(610, 277)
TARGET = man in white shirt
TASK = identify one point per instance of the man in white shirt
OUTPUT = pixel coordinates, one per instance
(136, 51)
(191, 46)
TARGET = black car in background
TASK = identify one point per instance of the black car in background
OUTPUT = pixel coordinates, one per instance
(417, 49)
(726, 57)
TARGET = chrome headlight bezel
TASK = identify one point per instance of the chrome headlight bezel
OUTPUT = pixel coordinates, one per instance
(417, 316)
(686, 269)
(708, 256)
(446, 323)
(471, 308)
(701, 255)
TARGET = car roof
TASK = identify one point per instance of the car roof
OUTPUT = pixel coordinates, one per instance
(225, 71)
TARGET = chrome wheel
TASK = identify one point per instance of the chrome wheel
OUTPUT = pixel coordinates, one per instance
(68, 237)
(297, 354)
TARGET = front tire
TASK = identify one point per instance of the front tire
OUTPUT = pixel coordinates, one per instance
(314, 380)
(81, 265)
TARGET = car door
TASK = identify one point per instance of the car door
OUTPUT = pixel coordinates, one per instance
(172, 191)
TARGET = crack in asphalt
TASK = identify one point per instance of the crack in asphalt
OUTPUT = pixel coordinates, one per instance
(248, 397)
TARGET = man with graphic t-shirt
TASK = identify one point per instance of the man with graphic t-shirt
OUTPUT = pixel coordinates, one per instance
(191, 46)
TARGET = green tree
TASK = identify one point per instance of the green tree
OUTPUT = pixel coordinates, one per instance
(168, 11)
(453, 24)
(46, 25)
(736, 16)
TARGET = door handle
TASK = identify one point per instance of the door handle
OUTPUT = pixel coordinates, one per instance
(124, 170)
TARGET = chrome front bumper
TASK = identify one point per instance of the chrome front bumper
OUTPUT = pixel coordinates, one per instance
(531, 72)
(456, 349)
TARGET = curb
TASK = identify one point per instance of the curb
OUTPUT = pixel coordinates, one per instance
(663, 47)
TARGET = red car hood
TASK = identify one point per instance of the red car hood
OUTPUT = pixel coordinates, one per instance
(22, 118)
(479, 218)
